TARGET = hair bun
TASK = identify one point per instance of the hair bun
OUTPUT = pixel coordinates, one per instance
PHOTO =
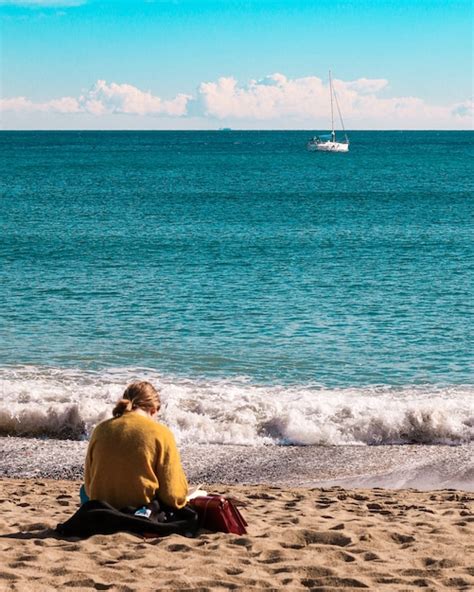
(122, 407)
(138, 395)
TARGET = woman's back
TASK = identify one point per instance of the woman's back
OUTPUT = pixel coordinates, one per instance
(130, 459)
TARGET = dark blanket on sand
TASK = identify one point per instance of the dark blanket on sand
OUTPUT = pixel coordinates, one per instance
(96, 517)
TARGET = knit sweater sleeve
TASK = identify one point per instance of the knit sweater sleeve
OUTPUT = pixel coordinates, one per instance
(173, 486)
(87, 466)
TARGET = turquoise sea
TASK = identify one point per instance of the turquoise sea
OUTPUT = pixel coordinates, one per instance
(272, 293)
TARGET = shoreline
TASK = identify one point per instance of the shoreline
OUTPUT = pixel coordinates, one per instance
(419, 467)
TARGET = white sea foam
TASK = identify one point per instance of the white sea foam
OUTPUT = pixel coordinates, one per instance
(64, 403)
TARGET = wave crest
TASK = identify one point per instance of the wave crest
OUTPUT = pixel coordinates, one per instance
(67, 404)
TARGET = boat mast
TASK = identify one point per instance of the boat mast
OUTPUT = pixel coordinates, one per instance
(333, 133)
(340, 117)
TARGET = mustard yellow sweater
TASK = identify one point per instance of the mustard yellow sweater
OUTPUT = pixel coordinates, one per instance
(129, 459)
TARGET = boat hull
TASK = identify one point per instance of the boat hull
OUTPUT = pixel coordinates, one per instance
(332, 147)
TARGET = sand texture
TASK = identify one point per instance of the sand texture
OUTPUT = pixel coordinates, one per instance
(298, 539)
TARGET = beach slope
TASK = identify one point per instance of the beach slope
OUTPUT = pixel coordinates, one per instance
(298, 539)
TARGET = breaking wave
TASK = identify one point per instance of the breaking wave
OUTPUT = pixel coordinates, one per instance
(67, 404)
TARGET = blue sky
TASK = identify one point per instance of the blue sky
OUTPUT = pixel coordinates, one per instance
(52, 50)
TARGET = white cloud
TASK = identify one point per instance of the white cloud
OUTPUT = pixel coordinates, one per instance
(277, 97)
(273, 97)
(125, 98)
(104, 99)
(367, 85)
(22, 104)
(275, 101)
(16, 104)
(64, 105)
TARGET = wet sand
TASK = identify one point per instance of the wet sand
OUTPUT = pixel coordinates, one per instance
(421, 467)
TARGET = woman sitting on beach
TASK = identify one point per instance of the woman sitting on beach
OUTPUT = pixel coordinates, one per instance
(131, 458)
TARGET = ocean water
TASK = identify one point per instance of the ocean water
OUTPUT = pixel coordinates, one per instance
(272, 294)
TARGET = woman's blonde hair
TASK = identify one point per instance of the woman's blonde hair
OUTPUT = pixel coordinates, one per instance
(141, 395)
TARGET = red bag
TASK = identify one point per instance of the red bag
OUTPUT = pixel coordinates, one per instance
(218, 514)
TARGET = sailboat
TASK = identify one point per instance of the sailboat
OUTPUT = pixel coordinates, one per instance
(328, 142)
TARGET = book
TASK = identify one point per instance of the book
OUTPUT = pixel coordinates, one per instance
(196, 492)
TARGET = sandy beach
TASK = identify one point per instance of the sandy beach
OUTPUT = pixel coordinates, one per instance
(298, 539)
(320, 518)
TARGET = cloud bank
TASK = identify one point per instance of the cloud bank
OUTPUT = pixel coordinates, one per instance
(103, 99)
(277, 96)
(274, 101)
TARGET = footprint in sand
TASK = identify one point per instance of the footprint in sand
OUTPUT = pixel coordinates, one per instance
(242, 541)
(27, 558)
(359, 497)
(332, 583)
(273, 556)
(89, 583)
(374, 507)
(423, 583)
(457, 584)
(59, 571)
(6, 575)
(346, 557)
(317, 571)
(178, 547)
(402, 538)
(282, 569)
(233, 571)
(325, 538)
(108, 562)
(72, 547)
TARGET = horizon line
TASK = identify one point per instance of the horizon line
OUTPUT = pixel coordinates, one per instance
(227, 130)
